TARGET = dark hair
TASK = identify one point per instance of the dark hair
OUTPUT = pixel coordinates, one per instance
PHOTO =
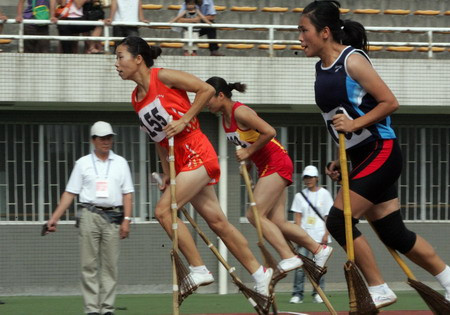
(347, 32)
(222, 86)
(137, 46)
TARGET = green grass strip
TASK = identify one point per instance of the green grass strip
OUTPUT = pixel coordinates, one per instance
(160, 304)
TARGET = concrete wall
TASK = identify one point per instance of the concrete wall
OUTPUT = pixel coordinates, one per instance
(35, 265)
(90, 82)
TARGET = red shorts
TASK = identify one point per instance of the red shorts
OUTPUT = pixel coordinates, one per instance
(194, 151)
(277, 162)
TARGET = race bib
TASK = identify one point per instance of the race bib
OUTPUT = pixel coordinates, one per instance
(353, 138)
(234, 138)
(101, 188)
(153, 118)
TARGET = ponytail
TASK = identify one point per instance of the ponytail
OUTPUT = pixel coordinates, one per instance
(354, 34)
(137, 46)
(220, 85)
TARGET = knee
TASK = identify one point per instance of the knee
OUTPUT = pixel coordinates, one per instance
(250, 217)
(218, 225)
(393, 233)
(336, 226)
(162, 213)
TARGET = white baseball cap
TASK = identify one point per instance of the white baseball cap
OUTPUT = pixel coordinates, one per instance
(310, 170)
(101, 129)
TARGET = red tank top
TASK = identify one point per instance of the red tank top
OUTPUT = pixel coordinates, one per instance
(245, 138)
(156, 107)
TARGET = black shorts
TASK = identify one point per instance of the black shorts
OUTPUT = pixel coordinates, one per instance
(376, 167)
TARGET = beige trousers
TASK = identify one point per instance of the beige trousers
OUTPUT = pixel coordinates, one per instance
(99, 253)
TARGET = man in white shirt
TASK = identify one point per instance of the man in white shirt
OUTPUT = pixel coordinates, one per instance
(311, 207)
(103, 182)
(129, 11)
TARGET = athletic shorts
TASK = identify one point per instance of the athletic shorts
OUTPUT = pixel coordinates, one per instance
(277, 162)
(376, 167)
(193, 151)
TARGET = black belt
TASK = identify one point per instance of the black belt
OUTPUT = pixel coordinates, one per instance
(86, 205)
(106, 212)
(106, 209)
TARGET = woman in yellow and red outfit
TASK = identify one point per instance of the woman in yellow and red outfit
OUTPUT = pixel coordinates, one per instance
(257, 139)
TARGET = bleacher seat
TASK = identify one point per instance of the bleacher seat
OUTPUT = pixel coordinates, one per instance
(220, 7)
(297, 47)
(274, 9)
(174, 7)
(161, 27)
(227, 28)
(400, 48)
(366, 11)
(397, 11)
(426, 12)
(5, 41)
(205, 45)
(375, 48)
(433, 49)
(171, 45)
(297, 10)
(239, 46)
(244, 9)
(152, 6)
(275, 47)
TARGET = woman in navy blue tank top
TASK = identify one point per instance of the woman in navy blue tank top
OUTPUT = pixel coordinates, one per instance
(346, 80)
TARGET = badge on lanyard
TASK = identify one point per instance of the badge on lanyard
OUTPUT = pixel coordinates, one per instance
(311, 220)
(101, 188)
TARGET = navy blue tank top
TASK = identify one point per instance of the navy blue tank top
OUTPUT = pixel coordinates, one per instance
(335, 89)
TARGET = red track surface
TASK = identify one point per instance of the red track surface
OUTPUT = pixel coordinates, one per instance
(339, 313)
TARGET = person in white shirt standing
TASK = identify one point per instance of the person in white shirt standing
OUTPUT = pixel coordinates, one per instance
(310, 207)
(129, 11)
(103, 182)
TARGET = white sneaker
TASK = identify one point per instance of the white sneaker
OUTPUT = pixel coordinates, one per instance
(295, 300)
(322, 257)
(447, 296)
(289, 264)
(201, 279)
(384, 298)
(262, 287)
(317, 299)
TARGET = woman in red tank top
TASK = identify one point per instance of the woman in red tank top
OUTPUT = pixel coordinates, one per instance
(245, 128)
(158, 94)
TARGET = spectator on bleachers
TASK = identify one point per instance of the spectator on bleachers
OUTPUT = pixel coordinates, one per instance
(34, 10)
(2, 18)
(126, 11)
(74, 13)
(93, 11)
(191, 14)
(208, 10)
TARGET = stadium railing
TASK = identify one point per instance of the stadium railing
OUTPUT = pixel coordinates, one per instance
(107, 38)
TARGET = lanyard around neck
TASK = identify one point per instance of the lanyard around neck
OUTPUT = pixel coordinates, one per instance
(95, 167)
(308, 192)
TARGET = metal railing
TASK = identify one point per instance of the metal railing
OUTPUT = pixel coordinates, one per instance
(271, 29)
